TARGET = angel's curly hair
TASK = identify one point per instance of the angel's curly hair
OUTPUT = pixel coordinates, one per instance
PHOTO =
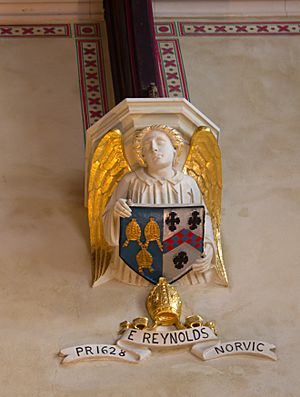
(175, 137)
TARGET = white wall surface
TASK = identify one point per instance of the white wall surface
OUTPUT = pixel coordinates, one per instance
(223, 8)
(35, 11)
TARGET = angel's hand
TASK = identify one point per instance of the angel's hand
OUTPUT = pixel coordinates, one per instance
(203, 264)
(122, 209)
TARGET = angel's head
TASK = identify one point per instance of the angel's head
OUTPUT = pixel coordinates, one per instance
(158, 144)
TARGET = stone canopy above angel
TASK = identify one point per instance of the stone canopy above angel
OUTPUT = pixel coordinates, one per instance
(114, 187)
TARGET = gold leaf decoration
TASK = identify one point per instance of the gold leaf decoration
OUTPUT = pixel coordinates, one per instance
(108, 166)
(204, 165)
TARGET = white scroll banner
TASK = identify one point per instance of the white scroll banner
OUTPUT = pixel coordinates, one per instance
(135, 346)
(249, 347)
(96, 352)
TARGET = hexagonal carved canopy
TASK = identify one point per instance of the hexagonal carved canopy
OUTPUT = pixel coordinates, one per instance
(135, 113)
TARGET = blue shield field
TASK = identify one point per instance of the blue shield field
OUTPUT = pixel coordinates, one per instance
(162, 241)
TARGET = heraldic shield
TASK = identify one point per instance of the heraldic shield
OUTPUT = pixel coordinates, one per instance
(162, 241)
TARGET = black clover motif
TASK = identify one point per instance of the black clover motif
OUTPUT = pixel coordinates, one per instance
(180, 259)
(172, 220)
(194, 220)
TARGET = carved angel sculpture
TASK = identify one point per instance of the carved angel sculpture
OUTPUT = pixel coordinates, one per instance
(113, 187)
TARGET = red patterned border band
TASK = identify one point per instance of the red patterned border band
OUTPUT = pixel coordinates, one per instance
(240, 29)
(87, 30)
(25, 31)
(200, 28)
(92, 80)
(165, 29)
(172, 69)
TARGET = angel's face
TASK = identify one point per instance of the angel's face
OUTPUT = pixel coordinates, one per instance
(157, 149)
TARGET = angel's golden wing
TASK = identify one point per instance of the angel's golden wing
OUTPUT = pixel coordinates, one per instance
(204, 165)
(108, 166)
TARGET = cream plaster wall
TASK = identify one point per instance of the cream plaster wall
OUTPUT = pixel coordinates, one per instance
(38, 11)
(42, 219)
(248, 86)
(225, 8)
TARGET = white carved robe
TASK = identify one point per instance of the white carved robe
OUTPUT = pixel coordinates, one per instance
(141, 188)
